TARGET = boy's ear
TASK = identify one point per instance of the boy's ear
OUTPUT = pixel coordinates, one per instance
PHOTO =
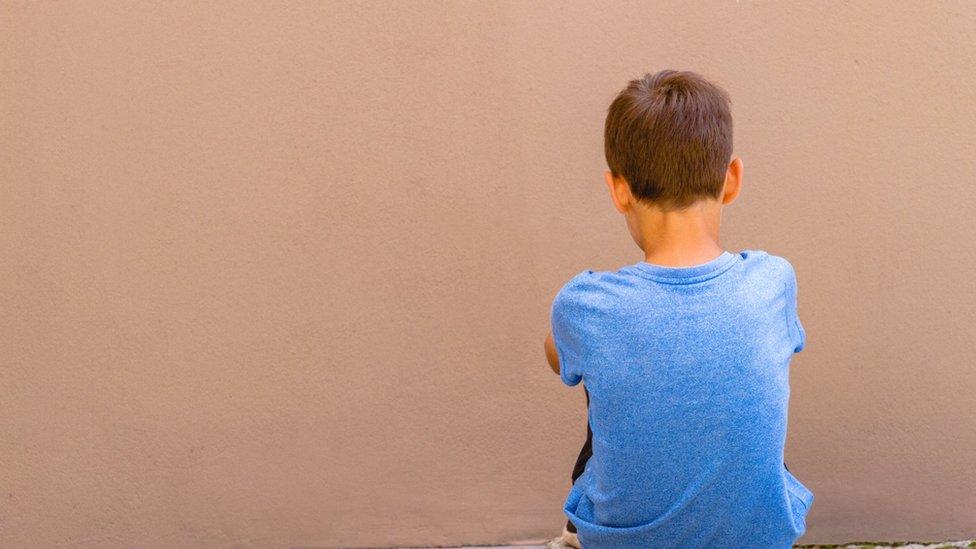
(619, 192)
(733, 181)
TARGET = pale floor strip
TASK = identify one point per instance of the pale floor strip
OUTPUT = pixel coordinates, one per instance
(969, 544)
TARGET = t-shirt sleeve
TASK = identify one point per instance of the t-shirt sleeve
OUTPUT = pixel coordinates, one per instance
(796, 327)
(567, 330)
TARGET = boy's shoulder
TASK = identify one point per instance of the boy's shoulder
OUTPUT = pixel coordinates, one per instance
(590, 283)
(776, 261)
(765, 260)
(747, 257)
(780, 268)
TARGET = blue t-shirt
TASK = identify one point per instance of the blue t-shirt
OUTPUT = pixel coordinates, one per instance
(688, 374)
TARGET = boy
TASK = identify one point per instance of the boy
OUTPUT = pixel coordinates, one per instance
(684, 355)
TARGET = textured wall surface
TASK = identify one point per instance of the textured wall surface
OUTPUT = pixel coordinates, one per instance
(278, 274)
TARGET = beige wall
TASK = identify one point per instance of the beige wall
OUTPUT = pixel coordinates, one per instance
(278, 274)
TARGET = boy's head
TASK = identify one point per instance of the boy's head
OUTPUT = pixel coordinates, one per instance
(668, 137)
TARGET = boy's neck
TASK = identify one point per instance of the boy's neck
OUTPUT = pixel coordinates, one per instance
(679, 238)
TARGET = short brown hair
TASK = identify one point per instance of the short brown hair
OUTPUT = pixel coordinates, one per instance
(669, 135)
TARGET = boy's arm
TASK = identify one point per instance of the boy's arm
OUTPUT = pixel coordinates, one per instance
(551, 354)
(566, 349)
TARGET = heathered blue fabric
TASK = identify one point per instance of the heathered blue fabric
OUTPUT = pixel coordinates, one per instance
(688, 374)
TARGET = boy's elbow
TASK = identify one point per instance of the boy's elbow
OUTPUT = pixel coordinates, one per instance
(551, 356)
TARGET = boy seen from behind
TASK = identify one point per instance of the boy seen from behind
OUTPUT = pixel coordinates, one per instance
(684, 355)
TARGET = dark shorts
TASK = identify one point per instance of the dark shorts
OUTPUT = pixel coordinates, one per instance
(584, 455)
(587, 451)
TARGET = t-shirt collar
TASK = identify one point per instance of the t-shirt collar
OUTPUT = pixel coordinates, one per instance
(685, 275)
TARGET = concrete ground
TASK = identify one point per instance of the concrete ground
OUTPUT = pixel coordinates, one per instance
(968, 544)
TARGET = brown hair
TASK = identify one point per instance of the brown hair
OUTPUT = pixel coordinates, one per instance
(669, 135)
